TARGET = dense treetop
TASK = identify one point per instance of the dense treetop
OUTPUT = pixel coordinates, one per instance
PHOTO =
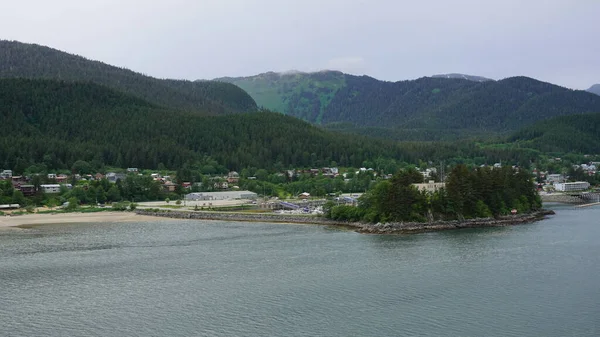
(479, 193)
(20, 60)
(59, 123)
(576, 133)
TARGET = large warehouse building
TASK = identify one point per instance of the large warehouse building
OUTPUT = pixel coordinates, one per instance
(226, 195)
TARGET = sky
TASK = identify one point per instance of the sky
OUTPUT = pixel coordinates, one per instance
(551, 40)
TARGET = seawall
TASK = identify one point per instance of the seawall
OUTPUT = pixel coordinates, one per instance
(562, 198)
(379, 228)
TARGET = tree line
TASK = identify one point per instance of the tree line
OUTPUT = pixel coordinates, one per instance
(468, 193)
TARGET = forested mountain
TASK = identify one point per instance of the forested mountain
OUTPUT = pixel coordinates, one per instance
(594, 89)
(565, 134)
(20, 60)
(58, 123)
(464, 77)
(426, 105)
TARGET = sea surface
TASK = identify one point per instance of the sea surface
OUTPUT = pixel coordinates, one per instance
(198, 278)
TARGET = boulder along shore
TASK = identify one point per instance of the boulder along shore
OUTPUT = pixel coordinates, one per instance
(366, 228)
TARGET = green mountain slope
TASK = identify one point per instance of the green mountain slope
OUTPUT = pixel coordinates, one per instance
(433, 105)
(565, 134)
(20, 60)
(58, 123)
(302, 95)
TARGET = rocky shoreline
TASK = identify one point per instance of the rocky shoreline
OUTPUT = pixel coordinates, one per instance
(379, 228)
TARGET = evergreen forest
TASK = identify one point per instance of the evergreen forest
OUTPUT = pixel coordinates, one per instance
(468, 193)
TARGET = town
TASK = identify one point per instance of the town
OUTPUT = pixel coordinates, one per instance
(258, 187)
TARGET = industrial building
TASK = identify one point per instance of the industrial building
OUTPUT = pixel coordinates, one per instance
(569, 187)
(225, 195)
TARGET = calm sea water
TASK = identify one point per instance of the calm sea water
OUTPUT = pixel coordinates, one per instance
(190, 278)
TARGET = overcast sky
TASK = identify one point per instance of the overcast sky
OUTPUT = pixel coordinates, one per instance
(552, 40)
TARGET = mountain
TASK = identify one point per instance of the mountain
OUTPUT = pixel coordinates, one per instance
(20, 60)
(464, 77)
(594, 89)
(57, 123)
(564, 134)
(298, 94)
(425, 105)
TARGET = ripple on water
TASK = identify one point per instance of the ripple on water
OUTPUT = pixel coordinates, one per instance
(182, 278)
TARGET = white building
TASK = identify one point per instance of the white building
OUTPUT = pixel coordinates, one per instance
(50, 188)
(555, 178)
(228, 195)
(430, 186)
(568, 187)
(6, 174)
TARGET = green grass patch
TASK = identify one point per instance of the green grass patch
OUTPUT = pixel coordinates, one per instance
(172, 206)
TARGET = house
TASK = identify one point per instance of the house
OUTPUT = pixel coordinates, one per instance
(330, 171)
(555, 178)
(186, 185)
(428, 172)
(430, 186)
(233, 177)
(27, 190)
(221, 185)
(18, 181)
(304, 195)
(169, 186)
(99, 176)
(113, 177)
(61, 178)
(132, 170)
(6, 174)
(50, 188)
(51, 175)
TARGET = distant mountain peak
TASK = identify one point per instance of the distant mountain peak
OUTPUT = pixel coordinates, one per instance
(594, 89)
(464, 77)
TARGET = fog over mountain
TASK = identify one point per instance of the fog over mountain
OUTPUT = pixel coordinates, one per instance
(386, 39)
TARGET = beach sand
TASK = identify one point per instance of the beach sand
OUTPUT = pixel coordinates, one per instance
(42, 219)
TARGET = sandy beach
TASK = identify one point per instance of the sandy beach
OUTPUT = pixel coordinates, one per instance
(42, 219)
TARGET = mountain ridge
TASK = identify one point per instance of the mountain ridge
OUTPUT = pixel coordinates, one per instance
(23, 60)
(473, 78)
(594, 89)
(437, 103)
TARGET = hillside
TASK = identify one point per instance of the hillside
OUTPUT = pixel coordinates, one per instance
(302, 95)
(20, 60)
(433, 105)
(594, 89)
(57, 123)
(565, 134)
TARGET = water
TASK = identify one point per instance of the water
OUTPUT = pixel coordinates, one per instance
(188, 278)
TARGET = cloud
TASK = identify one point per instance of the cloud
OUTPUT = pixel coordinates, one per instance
(349, 64)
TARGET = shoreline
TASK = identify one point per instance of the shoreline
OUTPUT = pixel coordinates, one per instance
(16, 221)
(364, 228)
